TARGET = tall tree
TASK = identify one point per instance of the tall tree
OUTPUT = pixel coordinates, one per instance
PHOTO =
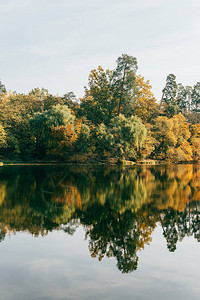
(124, 81)
(169, 101)
(2, 88)
(98, 103)
(70, 100)
(196, 100)
(181, 98)
(39, 96)
(189, 94)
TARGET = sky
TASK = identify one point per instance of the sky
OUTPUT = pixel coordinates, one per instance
(55, 43)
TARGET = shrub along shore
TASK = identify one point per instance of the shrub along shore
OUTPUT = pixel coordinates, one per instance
(118, 120)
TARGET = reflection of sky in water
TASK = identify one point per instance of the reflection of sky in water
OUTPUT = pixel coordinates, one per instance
(58, 267)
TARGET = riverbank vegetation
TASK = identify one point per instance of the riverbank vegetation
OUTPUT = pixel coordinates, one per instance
(118, 118)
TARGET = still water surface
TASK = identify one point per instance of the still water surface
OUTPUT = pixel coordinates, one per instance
(100, 232)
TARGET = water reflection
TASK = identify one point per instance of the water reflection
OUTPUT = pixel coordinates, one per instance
(119, 208)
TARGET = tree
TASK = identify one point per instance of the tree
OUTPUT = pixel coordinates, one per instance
(2, 89)
(172, 136)
(119, 91)
(2, 136)
(59, 115)
(182, 98)
(42, 124)
(38, 130)
(39, 97)
(169, 102)
(62, 140)
(123, 138)
(98, 104)
(189, 94)
(195, 140)
(83, 139)
(124, 81)
(196, 100)
(104, 139)
(70, 100)
(15, 110)
(143, 102)
(162, 131)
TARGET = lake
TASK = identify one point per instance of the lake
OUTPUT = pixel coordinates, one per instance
(96, 232)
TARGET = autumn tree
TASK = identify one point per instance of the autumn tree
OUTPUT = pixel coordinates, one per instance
(182, 150)
(143, 102)
(2, 136)
(172, 137)
(163, 133)
(195, 141)
(110, 92)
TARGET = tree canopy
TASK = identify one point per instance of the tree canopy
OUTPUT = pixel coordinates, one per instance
(117, 119)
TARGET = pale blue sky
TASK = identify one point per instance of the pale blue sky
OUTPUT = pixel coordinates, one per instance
(55, 43)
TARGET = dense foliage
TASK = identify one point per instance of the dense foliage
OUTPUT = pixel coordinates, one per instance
(117, 119)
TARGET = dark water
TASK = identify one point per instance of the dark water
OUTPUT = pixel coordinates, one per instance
(99, 232)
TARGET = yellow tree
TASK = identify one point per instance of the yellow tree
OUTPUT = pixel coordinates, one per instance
(145, 105)
(182, 150)
(195, 141)
(2, 136)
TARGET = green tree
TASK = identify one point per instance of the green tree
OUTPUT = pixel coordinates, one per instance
(98, 104)
(124, 81)
(83, 142)
(70, 100)
(2, 88)
(196, 100)
(123, 138)
(59, 115)
(189, 94)
(169, 99)
(39, 98)
(181, 98)
(41, 125)
(15, 110)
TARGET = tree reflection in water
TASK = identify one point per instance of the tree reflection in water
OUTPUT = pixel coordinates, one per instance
(118, 208)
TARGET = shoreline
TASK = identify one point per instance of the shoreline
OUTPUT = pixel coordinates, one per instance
(124, 163)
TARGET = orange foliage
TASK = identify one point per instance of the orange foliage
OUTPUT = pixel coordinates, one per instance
(63, 138)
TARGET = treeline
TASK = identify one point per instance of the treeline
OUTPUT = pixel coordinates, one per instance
(117, 119)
